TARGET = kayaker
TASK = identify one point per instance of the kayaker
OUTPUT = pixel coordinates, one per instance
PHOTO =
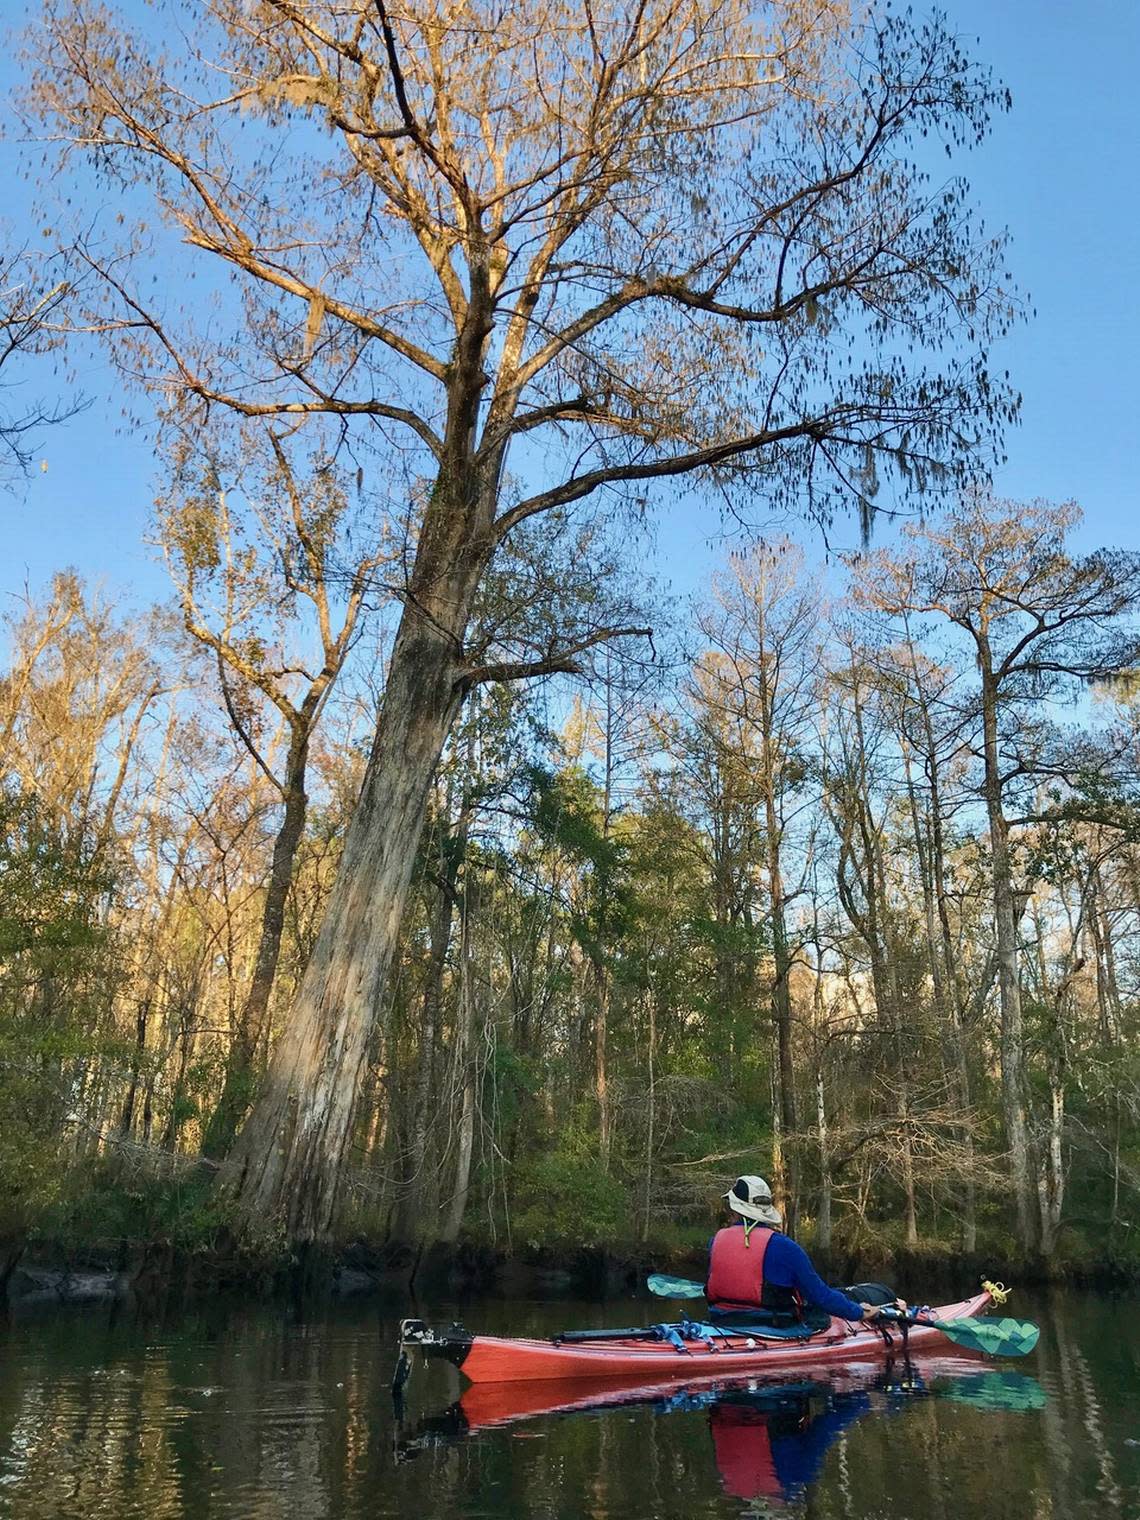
(757, 1275)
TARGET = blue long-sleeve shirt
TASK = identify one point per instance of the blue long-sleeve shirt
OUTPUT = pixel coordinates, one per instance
(787, 1265)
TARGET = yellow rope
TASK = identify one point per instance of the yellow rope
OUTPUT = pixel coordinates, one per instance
(997, 1291)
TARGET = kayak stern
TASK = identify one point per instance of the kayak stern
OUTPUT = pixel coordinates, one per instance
(453, 1345)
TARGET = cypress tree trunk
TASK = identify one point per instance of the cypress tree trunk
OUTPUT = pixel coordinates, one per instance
(1051, 1182)
(910, 1212)
(952, 981)
(290, 1155)
(1107, 989)
(781, 953)
(603, 982)
(650, 1119)
(782, 1012)
(289, 1159)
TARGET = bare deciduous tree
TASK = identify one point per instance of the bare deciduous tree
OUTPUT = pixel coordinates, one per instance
(765, 681)
(1037, 620)
(33, 293)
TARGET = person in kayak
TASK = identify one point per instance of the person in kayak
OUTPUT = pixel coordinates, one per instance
(758, 1276)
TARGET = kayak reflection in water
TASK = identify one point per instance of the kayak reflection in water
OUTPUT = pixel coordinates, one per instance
(769, 1440)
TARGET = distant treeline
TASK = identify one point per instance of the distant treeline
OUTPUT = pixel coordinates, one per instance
(842, 887)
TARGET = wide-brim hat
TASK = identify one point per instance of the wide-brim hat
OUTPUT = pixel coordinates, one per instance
(751, 1197)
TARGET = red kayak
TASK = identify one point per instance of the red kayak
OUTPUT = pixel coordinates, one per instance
(500, 1359)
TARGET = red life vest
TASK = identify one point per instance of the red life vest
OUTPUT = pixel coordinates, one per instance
(736, 1272)
(736, 1267)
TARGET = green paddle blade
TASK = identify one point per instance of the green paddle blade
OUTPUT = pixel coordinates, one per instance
(674, 1287)
(996, 1337)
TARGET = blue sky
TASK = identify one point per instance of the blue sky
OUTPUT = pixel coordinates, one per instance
(1061, 171)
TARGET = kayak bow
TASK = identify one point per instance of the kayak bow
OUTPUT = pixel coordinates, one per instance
(633, 1354)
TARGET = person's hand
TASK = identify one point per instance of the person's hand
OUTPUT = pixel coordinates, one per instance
(872, 1312)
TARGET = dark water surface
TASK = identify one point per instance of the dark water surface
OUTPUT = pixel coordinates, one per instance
(260, 1414)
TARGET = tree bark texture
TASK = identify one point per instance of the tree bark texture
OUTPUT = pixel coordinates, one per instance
(781, 952)
(290, 1156)
(126, 1118)
(289, 1160)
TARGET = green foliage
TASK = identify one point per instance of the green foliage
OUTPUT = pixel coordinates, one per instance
(113, 1203)
(567, 1198)
(566, 812)
(511, 1083)
(51, 888)
(53, 896)
(192, 532)
(34, 1093)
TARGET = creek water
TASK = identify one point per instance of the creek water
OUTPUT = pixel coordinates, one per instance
(261, 1413)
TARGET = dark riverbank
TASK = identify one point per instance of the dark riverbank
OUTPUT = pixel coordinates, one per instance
(44, 1272)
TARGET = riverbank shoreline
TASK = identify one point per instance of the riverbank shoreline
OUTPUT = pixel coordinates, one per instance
(42, 1272)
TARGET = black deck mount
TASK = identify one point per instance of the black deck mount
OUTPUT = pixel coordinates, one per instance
(452, 1345)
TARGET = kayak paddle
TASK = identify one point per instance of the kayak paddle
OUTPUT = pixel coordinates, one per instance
(674, 1287)
(996, 1337)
